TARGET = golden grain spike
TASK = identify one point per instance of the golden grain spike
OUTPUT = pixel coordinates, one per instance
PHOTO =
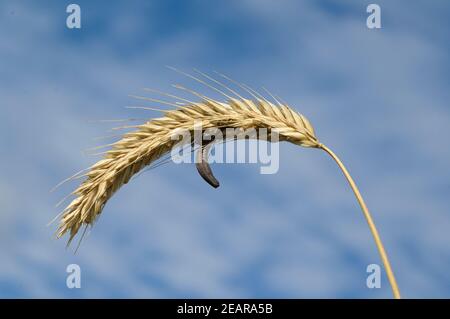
(152, 140)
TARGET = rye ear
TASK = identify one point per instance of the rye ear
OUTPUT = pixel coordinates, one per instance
(153, 139)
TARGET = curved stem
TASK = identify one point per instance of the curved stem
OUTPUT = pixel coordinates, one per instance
(373, 229)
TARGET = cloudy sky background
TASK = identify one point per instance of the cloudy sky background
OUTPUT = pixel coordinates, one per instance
(379, 98)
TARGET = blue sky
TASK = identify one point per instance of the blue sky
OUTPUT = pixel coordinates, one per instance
(379, 98)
